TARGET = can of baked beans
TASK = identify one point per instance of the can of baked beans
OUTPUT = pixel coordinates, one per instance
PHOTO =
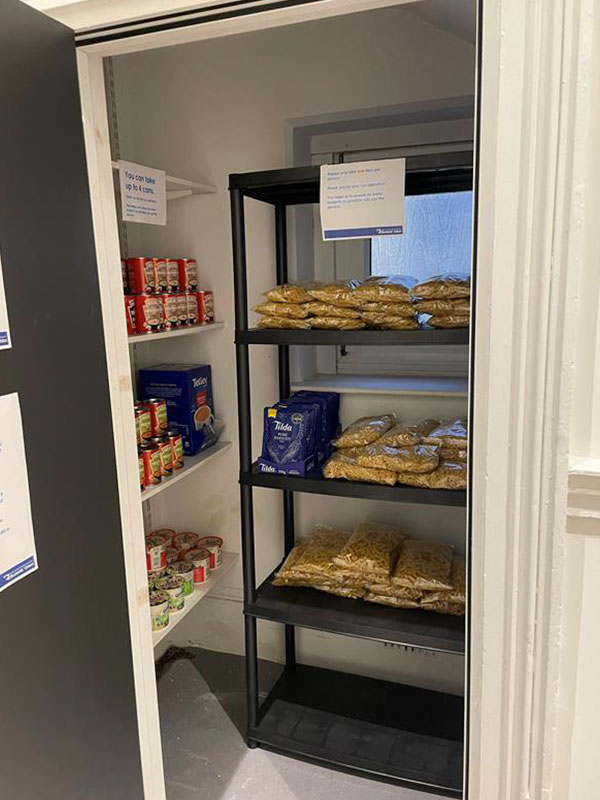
(156, 553)
(166, 454)
(130, 313)
(206, 307)
(188, 274)
(142, 471)
(143, 423)
(152, 468)
(214, 545)
(159, 421)
(200, 558)
(124, 275)
(172, 275)
(140, 271)
(176, 440)
(160, 274)
(170, 303)
(149, 314)
(191, 302)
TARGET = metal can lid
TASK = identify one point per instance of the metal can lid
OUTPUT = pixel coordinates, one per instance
(147, 446)
(158, 598)
(155, 400)
(211, 541)
(197, 554)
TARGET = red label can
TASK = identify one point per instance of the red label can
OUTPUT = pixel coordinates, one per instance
(188, 274)
(124, 275)
(176, 440)
(142, 471)
(143, 423)
(166, 454)
(152, 468)
(149, 314)
(141, 275)
(158, 415)
(191, 301)
(172, 275)
(160, 274)
(130, 313)
(170, 304)
(200, 557)
(182, 311)
(206, 307)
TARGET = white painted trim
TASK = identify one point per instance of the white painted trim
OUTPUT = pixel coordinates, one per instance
(104, 213)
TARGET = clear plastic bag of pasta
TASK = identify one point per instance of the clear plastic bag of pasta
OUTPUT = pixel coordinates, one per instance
(284, 323)
(289, 293)
(449, 433)
(393, 602)
(389, 309)
(460, 306)
(316, 557)
(454, 454)
(389, 289)
(404, 435)
(385, 322)
(318, 309)
(372, 549)
(420, 458)
(450, 321)
(443, 287)
(445, 607)
(400, 592)
(336, 324)
(294, 310)
(337, 294)
(341, 591)
(450, 475)
(343, 467)
(365, 430)
(457, 594)
(424, 565)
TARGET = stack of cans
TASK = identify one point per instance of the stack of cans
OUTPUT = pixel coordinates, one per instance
(160, 449)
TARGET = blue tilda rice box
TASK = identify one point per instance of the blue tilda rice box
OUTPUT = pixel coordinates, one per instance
(187, 388)
(290, 439)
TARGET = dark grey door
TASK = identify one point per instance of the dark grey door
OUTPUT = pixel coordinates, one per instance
(68, 728)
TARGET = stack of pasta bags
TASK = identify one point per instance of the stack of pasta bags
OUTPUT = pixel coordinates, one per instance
(429, 454)
(377, 564)
(445, 299)
(378, 302)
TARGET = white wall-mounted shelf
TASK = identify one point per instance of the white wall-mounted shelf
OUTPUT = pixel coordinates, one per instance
(180, 187)
(159, 337)
(229, 560)
(416, 385)
(191, 464)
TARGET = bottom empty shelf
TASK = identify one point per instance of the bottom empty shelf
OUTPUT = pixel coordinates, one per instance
(379, 729)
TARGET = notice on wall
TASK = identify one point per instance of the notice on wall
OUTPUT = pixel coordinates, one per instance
(363, 199)
(4, 328)
(143, 194)
(17, 545)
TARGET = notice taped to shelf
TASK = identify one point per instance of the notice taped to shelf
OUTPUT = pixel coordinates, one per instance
(363, 199)
(17, 544)
(143, 194)
(4, 328)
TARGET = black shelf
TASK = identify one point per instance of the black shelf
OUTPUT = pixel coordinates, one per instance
(421, 337)
(309, 608)
(316, 484)
(379, 729)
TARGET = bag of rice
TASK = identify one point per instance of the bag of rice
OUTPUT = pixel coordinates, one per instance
(453, 454)
(283, 322)
(295, 310)
(450, 321)
(394, 602)
(288, 293)
(318, 309)
(449, 475)
(423, 565)
(385, 322)
(443, 287)
(402, 435)
(336, 324)
(457, 595)
(392, 289)
(340, 466)
(441, 307)
(389, 309)
(449, 433)
(372, 549)
(365, 430)
(421, 458)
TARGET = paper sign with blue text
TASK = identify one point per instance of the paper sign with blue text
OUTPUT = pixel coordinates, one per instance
(143, 194)
(363, 199)
(4, 329)
(18, 556)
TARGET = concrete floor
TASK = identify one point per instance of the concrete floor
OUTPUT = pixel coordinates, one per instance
(202, 706)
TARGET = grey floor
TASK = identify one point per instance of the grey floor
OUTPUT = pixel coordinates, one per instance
(202, 710)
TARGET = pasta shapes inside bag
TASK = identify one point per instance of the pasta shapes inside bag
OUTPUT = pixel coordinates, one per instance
(365, 430)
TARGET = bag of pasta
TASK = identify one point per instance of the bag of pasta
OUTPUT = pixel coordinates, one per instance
(457, 594)
(394, 602)
(286, 575)
(346, 468)
(420, 458)
(423, 565)
(449, 433)
(284, 322)
(295, 310)
(372, 549)
(289, 293)
(337, 294)
(445, 607)
(392, 590)
(336, 324)
(365, 431)
(449, 321)
(401, 435)
(443, 287)
(449, 475)
(461, 306)
(318, 309)
(392, 289)
(389, 309)
(385, 322)
(353, 593)
(316, 557)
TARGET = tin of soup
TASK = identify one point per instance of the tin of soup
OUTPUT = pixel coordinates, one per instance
(184, 569)
(173, 585)
(176, 440)
(152, 467)
(160, 274)
(214, 545)
(188, 274)
(206, 307)
(159, 421)
(166, 454)
(130, 313)
(142, 471)
(200, 558)
(149, 313)
(143, 423)
(172, 275)
(191, 301)
(159, 610)
(182, 309)
(170, 310)
(140, 271)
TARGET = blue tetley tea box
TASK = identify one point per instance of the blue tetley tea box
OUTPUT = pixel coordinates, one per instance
(187, 388)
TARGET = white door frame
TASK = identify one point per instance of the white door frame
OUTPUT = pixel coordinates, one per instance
(521, 350)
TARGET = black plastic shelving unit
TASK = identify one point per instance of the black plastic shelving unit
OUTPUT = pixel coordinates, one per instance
(384, 730)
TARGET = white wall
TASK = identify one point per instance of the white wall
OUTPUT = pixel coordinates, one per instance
(209, 109)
